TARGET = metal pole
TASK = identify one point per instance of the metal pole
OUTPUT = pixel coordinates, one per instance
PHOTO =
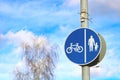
(85, 73)
(84, 13)
(84, 23)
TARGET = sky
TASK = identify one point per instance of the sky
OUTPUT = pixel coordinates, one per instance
(56, 19)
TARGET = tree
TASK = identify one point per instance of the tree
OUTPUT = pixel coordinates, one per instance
(39, 58)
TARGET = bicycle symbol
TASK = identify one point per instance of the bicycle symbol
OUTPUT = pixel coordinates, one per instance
(75, 47)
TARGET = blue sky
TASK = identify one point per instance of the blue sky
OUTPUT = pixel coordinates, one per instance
(56, 19)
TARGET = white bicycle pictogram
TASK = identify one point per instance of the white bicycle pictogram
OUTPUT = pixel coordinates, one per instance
(75, 47)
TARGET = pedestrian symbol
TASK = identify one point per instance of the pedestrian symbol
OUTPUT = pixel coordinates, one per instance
(82, 46)
(92, 44)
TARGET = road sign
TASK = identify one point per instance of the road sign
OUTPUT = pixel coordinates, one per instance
(82, 46)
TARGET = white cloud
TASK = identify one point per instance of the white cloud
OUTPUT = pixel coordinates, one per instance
(19, 37)
(6, 71)
(5, 8)
(8, 60)
(67, 69)
(24, 10)
(110, 3)
(71, 3)
(28, 9)
(5, 76)
(104, 8)
(96, 5)
(108, 67)
(97, 71)
(20, 65)
(37, 10)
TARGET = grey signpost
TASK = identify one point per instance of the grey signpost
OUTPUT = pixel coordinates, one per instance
(84, 23)
(84, 46)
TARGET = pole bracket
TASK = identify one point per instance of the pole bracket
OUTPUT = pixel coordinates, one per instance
(84, 15)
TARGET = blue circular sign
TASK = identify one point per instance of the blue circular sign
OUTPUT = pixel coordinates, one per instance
(82, 46)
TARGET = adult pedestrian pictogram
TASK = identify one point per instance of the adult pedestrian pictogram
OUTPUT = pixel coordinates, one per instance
(82, 46)
(91, 43)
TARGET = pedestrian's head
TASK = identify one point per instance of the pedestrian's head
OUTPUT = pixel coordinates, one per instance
(91, 36)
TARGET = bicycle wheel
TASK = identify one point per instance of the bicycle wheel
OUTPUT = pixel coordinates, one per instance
(79, 49)
(69, 50)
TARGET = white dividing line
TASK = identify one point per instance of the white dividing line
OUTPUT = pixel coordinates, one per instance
(85, 45)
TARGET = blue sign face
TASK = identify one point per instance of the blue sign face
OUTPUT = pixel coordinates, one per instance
(82, 46)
